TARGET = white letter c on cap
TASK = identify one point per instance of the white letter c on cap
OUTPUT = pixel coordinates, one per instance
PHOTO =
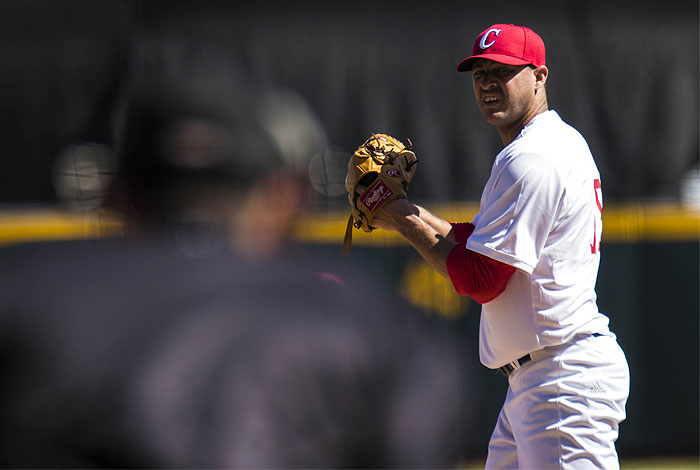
(483, 44)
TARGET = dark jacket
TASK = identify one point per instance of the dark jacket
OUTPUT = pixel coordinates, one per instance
(125, 353)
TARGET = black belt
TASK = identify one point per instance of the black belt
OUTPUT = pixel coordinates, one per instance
(518, 363)
(512, 366)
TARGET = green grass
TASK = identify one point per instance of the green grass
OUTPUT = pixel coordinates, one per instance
(660, 463)
(628, 463)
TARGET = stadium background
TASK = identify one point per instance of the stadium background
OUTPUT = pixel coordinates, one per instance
(625, 73)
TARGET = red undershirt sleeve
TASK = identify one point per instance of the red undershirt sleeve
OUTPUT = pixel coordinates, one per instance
(462, 230)
(473, 274)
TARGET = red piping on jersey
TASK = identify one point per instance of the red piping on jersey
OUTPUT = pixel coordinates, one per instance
(473, 274)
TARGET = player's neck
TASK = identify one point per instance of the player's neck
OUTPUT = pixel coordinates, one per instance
(510, 133)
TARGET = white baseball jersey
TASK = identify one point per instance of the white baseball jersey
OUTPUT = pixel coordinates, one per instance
(541, 213)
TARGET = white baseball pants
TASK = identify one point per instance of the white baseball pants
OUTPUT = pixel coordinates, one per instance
(563, 409)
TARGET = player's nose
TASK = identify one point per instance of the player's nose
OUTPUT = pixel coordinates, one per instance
(487, 81)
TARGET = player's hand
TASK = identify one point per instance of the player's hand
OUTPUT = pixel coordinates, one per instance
(390, 216)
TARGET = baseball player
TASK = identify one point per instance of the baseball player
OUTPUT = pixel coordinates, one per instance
(531, 257)
(203, 338)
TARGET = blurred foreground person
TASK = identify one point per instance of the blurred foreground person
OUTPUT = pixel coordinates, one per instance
(202, 338)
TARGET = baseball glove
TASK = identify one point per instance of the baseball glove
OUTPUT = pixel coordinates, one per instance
(379, 171)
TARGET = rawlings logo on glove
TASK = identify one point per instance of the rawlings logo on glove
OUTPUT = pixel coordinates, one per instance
(379, 171)
(372, 196)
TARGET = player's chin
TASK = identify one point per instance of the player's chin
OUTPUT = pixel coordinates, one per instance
(495, 117)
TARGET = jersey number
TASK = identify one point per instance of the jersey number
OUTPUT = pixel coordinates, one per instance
(597, 230)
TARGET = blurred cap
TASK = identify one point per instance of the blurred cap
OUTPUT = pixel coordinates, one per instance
(204, 133)
(172, 134)
(506, 44)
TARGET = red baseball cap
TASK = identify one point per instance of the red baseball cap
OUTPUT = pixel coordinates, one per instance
(507, 44)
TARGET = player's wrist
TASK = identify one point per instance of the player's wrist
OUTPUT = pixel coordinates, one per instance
(394, 215)
(410, 222)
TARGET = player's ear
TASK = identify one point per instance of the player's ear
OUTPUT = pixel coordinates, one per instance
(541, 74)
